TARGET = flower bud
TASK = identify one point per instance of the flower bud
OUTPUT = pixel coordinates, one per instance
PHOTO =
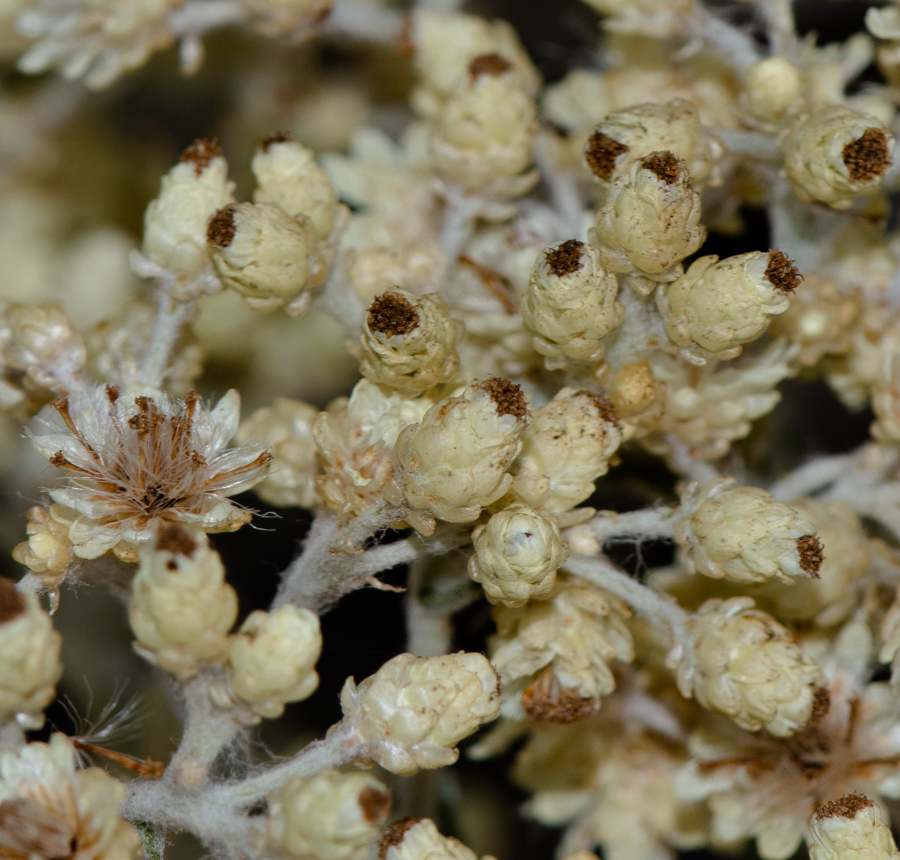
(409, 839)
(455, 461)
(571, 303)
(288, 177)
(746, 665)
(408, 342)
(333, 816)
(271, 658)
(771, 88)
(851, 828)
(517, 555)
(414, 710)
(567, 446)
(175, 223)
(266, 255)
(633, 134)
(484, 134)
(638, 399)
(721, 305)
(41, 339)
(743, 534)
(182, 608)
(651, 218)
(29, 657)
(285, 429)
(48, 551)
(835, 155)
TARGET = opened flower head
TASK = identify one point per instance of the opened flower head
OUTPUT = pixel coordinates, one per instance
(136, 458)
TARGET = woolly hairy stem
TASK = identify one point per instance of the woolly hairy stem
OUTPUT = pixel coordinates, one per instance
(811, 477)
(779, 18)
(428, 631)
(198, 16)
(732, 44)
(611, 527)
(564, 193)
(754, 143)
(459, 219)
(800, 230)
(686, 465)
(657, 608)
(368, 22)
(170, 317)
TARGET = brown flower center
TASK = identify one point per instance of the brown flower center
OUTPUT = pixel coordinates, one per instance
(811, 557)
(845, 807)
(507, 396)
(566, 258)
(867, 157)
(221, 228)
(277, 137)
(393, 834)
(391, 314)
(489, 64)
(200, 153)
(664, 165)
(601, 153)
(781, 272)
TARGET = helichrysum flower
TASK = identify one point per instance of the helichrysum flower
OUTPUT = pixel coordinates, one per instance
(772, 89)
(182, 608)
(48, 551)
(414, 710)
(743, 534)
(746, 665)
(29, 657)
(285, 428)
(271, 659)
(412, 839)
(408, 342)
(52, 809)
(136, 458)
(571, 303)
(835, 155)
(333, 816)
(517, 555)
(720, 305)
(650, 220)
(851, 828)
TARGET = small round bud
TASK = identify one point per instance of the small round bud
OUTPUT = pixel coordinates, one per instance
(720, 305)
(271, 659)
(266, 255)
(835, 155)
(182, 608)
(409, 839)
(41, 338)
(333, 816)
(48, 551)
(743, 534)
(408, 342)
(517, 555)
(638, 398)
(746, 665)
(851, 828)
(651, 218)
(29, 656)
(771, 88)
(571, 303)
(414, 710)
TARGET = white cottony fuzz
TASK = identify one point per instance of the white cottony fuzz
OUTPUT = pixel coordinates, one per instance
(851, 828)
(413, 711)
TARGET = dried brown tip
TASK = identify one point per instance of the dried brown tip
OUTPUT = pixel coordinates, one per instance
(12, 603)
(561, 706)
(176, 539)
(391, 314)
(200, 153)
(221, 228)
(664, 165)
(811, 557)
(846, 807)
(375, 804)
(781, 272)
(507, 396)
(277, 137)
(393, 834)
(489, 64)
(604, 405)
(867, 157)
(821, 703)
(601, 153)
(566, 258)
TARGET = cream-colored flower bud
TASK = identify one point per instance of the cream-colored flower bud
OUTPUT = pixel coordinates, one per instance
(267, 256)
(567, 446)
(746, 665)
(743, 534)
(835, 155)
(484, 134)
(175, 223)
(287, 176)
(271, 658)
(408, 342)
(411, 839)
(773, 88)
(651, 218)
(851, 828)
(41, 339)
(638, 398)
(48, 551)
(29, 657)
(286, 429)
(720, 305)
(571, 303)
(455, 461)
(333, 816)
(517, 555)
(182, 608)
(634, 133)
(414, 710)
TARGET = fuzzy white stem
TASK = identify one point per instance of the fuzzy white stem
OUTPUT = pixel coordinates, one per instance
(368, 22)
(199, 16)
(735, 46)
(686, 465)
(779, 18)
(170, 317)
(564, 193)
(459, 220)
(753, 143)
(428, 631)
(611, 527)
(811, 477)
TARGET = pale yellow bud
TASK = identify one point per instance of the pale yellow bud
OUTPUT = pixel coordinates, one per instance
(409, 839)
(41, 339)
(48, 551)
(773, 88)
(851, 828)
(638, 398)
